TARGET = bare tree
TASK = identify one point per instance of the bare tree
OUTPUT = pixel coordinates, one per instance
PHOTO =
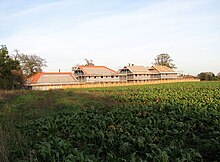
(164, 59)
(15, 56)
(89, 62)
(31, 64)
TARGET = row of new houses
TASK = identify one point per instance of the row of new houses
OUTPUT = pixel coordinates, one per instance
(99, 74)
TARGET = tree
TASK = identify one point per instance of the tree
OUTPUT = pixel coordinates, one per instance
(89, 63)
(218, 76)
(164, 59)
(9, 70)
(30, 64)
(207, 76)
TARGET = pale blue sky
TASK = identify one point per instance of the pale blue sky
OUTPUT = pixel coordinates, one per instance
(114, 32)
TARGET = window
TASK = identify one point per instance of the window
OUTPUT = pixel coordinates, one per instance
(101, 76)
(112, 76)
(95, 77)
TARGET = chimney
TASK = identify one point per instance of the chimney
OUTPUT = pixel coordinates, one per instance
(59, 70)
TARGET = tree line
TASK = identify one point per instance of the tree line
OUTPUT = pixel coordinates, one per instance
(208, 76)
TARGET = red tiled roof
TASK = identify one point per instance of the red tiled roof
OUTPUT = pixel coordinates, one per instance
(51, 77)
(36, 77)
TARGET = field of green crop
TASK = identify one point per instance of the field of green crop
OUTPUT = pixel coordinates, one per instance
(168, 122)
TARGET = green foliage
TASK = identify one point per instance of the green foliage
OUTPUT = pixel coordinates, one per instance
(169, 122)
(207, 76)
(218, 76)
(9, 70)
(121, 134)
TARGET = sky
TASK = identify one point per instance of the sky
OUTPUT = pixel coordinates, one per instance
(114, 33)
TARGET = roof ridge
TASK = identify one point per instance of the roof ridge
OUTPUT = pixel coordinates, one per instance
(110, 69)
(158, 68)
(73, 77)
(81, 67)
(36, 78)
(135, 68)
(155, 66)
(56, 72)
(92, 66)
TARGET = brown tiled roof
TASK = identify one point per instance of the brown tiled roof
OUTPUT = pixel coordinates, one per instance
(52, 78)
(161, 69)
(97, 70)
(138, 69)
